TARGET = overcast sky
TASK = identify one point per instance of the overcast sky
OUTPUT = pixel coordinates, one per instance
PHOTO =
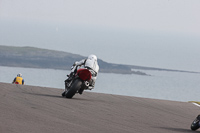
(169, 30)
(180, 16)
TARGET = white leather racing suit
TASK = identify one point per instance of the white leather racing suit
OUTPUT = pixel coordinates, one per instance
(92, 65)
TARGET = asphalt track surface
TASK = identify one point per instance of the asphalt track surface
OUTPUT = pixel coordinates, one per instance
(32, 109)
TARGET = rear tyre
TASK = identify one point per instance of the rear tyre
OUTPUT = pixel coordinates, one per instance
(76, 85)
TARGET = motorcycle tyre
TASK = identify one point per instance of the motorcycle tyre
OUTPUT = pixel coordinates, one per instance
(195, 126)
(76, 85)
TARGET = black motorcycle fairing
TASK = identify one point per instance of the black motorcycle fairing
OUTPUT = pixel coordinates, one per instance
(195, 123)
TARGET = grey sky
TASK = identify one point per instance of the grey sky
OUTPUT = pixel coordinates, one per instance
(158, 33)
(180, 16)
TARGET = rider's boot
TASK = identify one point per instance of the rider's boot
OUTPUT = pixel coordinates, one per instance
(90, 87)
(81, 91)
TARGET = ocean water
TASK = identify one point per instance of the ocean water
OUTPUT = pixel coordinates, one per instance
(176, 86)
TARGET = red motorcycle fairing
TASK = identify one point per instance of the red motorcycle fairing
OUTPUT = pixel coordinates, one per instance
(84, 74)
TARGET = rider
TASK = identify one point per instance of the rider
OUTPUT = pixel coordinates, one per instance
(92, 65)
(18, 79)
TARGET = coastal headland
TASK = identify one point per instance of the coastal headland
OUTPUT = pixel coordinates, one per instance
(31, 57)
(34, 109)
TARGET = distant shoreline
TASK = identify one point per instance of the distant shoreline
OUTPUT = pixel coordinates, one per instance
(31, 57)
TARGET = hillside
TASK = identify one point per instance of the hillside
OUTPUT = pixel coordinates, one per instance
(29, 109)
(44, 58)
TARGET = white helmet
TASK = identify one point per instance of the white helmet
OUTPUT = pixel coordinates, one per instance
(19, 75)
(92, 57)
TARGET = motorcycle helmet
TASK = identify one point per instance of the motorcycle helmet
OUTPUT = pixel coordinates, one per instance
(19, 75)
(92, 57)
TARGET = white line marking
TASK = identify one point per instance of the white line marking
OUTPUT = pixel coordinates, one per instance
(196, 104)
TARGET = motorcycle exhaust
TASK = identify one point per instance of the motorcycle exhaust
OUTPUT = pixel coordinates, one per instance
(87, 83)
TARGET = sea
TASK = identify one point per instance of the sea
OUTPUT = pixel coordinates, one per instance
(164, 85)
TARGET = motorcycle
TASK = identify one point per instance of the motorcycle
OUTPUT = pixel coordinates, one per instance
(77, 82)
(195, 124)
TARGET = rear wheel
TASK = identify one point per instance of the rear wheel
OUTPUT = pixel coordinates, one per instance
(76, 85)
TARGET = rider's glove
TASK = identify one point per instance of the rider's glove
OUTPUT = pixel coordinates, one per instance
(72, 67)
(75, 63)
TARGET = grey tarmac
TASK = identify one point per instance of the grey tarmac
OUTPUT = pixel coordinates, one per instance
(34, 109)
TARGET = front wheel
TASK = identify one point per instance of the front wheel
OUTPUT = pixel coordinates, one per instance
(76, 85)
(194, 125)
